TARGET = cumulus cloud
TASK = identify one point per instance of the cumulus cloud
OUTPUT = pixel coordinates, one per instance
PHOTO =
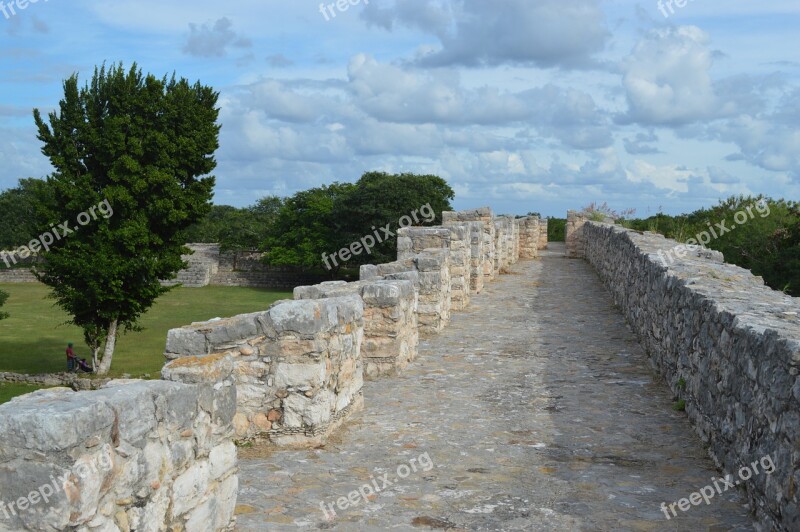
(667, 79)
(213, 41)
(641, 144)
(547, 33)
(394, 94)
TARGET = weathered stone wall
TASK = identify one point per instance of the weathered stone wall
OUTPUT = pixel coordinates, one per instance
(543, 233)
(504, 243)
(430, 270)
(413, 240)
(477, 256)
(276, 278)
(135, 455)
(575, 240)
(486, 217)
(529, 237)
(391, 337)
(726, 344)
(17, 275)
(297, 366)
(202, 265)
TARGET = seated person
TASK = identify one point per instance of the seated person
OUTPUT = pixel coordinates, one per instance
(84, 366)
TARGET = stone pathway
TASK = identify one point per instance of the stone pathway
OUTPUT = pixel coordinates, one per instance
(536, 409)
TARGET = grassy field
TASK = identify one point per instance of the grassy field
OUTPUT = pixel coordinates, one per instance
(34, 338)
(9, 391)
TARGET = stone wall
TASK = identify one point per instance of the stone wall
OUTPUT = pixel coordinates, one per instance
(543, 233)
(506, 234)
(575, 241)
(726, 344)
(391, 336)
(529, 237)
(275, 278)
(135, 455)
(486, 217)
(16, 275)
(297, 366)
(413, 240)
(202, 265)
(432, 277)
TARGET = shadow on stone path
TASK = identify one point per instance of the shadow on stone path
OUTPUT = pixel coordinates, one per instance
(538, 411)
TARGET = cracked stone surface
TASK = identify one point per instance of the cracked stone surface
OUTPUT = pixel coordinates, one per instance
(537, 409)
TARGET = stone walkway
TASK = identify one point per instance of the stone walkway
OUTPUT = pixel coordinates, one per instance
(536, 409)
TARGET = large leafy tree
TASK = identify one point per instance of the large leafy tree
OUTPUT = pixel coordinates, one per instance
(306, 227)
(323, 220)
(145, 146)
(379, 198)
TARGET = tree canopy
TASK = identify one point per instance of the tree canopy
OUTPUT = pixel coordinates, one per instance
(324, 220)
(140, 148)
(234, 228)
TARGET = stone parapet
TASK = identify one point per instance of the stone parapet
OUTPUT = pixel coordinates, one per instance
(134, 455)
(297, 366)
(726, 344)
(413, 240)
(391, 336)
(486, 217)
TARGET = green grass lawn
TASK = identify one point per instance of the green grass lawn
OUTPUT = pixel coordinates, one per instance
(10, 391)
(33, 339)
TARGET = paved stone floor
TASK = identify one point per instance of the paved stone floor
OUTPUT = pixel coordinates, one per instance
(537, 410)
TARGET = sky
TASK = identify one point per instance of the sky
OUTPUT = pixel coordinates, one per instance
(521, 105)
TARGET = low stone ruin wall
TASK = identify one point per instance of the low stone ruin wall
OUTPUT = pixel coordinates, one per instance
(726, 344)
(574, 237)
(135, 455)
(391, 337)
(413, 240)
(485, 216)
(543, 233)
(203, 263)
(71, 380)
(16, 275)
(297, 366)
(432, 274)
(529, 237)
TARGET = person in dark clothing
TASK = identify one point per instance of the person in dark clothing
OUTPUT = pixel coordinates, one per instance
(71, 359)
(84, 366)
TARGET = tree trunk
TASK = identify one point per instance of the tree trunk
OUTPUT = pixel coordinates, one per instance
(108, 352)
(95, 362)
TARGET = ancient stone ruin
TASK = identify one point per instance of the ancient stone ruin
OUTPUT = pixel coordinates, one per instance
(160, 455)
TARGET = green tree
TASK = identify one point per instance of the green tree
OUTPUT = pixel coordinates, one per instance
(306, 227)
(3, 299)
(140, 146)
(19, 213)
(378, 199)
(234, 228)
